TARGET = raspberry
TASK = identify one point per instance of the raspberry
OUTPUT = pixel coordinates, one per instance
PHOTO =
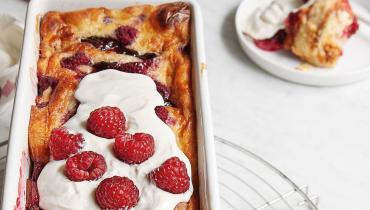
(171, 176)
(44, 82)
(117, 193)
(273, 44)
(85, 166)
(63, 144)
(162, 113)
(106, 122)
(163, 90)
(134, 149)
(74, 61)
(126, 34)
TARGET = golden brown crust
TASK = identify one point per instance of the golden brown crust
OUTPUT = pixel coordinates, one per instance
(316, 33)
(162, 29)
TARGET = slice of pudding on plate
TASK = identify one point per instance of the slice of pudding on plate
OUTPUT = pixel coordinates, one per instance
(314, 30)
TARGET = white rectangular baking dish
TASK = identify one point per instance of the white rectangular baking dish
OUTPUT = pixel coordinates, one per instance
(18, 162)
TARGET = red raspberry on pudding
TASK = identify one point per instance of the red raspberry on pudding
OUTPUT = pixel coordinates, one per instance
(85, 166)
(162, 113)
(134, 149)
(117, 193)
(171, 176)
(126, 34)
(62, 144)
(106, 122)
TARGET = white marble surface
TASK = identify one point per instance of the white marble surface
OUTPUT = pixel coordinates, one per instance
(317, 136)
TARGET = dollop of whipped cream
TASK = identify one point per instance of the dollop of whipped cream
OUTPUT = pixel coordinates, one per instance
(136, 96)
(265, 22)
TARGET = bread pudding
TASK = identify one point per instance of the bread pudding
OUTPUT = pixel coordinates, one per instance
(113, 125)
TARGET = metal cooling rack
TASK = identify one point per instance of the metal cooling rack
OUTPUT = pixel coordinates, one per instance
(247, 182)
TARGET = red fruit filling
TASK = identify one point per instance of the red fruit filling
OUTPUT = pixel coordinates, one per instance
(36, 170)
(74, 61)
(163, 90)
(117, 193)
(351, 29)
(85, 166)
(32, 196)
(104, 43)
(126, 34)
(44, 82)
(134, 149)
(273, 44)
(142, 67)
(71, 112)
(112, 44)
(62, 144)
(171, 176)
(162, 113)
(106, 122)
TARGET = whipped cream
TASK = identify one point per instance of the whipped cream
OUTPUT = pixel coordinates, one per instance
(265, 22)
(136, 96)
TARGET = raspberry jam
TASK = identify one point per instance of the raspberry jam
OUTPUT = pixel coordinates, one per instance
(273, 44)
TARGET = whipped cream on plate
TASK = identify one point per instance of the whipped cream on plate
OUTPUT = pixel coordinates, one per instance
(136, 96)
(266, 21)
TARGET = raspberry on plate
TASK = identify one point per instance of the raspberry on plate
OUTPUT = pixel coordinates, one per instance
(134, 149)
(62, 144)
(273, 44)
(126, 34)
(85, 166)
(117, 193)
(106, 122)
(171, 176)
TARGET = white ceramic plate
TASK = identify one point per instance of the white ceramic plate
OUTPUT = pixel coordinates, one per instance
(353, 66)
